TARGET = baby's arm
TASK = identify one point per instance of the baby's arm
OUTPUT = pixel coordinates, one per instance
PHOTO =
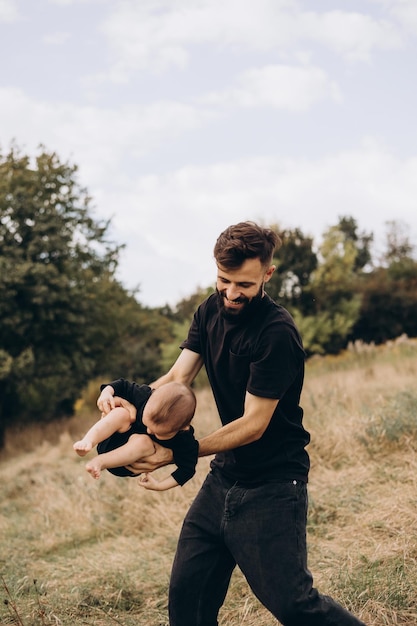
(105, 401)
(121, 388)
(149, 482)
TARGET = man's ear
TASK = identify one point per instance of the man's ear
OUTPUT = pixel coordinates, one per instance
(269, 273)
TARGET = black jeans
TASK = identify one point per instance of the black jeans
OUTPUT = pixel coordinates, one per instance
(262, 529)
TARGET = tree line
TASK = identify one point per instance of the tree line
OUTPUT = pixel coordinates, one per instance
(340, 293)
(65, 319)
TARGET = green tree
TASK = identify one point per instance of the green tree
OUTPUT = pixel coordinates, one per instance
(398, 247)
(63, 316)
(362, 241)
(319, 288)
(185, 308)
(389, 292)
(332, 289)
(126, 338)
(295, 262)
(388, 306)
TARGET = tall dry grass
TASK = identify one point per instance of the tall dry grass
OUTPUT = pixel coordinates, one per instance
(78, 551)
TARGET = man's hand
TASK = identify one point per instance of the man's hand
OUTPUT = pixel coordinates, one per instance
(162, 456)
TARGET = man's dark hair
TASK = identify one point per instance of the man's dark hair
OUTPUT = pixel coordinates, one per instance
(243, 241)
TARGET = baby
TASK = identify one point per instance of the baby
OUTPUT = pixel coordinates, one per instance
(141, 416)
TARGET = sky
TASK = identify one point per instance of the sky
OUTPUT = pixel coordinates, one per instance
(186, 116)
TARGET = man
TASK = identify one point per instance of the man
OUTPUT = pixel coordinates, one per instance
(251, 510)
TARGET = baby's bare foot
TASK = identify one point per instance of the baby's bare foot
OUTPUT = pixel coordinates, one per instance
(94, 468)
(82, 447)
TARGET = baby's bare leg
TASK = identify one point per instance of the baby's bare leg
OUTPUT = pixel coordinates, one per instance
(118, 420)
(137, 447)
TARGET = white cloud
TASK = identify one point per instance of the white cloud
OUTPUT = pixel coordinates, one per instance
(355, 36)
(405, 11)
(97, 139)
(178, 216)
(170, 222)
(158, 35)
(73, 2)
(57, 38)
(8, 11)
(369, 178)
(294, 88)
(247, 64)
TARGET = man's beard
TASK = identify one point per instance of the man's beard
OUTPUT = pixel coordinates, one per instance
(247, 310)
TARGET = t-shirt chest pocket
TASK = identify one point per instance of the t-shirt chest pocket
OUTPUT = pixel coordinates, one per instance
(238, 368)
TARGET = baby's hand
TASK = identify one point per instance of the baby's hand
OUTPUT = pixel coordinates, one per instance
(105, 401)
(148, 482)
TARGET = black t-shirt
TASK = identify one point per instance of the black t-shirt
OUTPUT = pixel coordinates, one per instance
(184, 446)
(261, 354)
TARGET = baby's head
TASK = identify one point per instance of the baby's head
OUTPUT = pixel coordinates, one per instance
(169, 409)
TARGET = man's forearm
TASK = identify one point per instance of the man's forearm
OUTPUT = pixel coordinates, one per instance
(243, 430)
(161, 457)
(184, 370)
(162, 380)
(238, 433)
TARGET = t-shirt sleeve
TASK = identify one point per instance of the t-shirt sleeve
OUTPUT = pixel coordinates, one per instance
(193, 341)
(130, 391)
(185, 457)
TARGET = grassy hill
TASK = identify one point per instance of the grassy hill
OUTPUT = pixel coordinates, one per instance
(78, 551)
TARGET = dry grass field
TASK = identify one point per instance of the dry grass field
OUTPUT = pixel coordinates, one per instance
(74, 551)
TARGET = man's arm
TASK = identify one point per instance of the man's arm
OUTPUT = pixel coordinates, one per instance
(184, 370)
(246, 429)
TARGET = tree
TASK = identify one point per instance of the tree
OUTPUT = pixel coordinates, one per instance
(332, 289)
(295, 262)
(398, 244)
(361, 241)
(389, 292)
(184, 309)
(63, 316)
(319, 288)
(125, 337)
(388, 307)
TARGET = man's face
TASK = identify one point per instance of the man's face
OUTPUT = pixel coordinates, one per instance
(240, 287)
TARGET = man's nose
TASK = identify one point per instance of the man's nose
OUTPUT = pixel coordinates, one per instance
(232, 292)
